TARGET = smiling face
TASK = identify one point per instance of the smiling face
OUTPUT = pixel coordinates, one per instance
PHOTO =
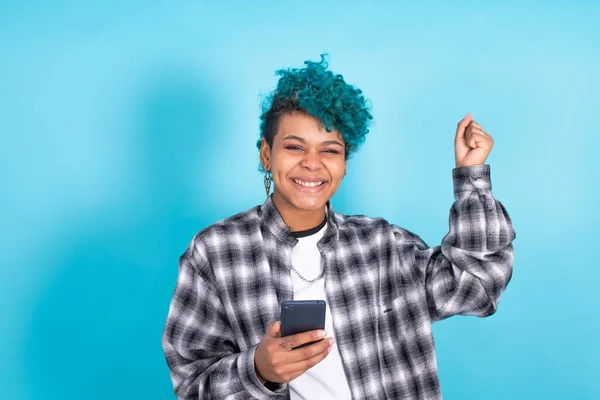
(307, 163)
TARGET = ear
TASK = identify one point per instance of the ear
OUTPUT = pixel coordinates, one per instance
(265, 154)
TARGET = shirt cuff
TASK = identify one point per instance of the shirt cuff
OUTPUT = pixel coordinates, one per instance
(472, 178)
(251, 382)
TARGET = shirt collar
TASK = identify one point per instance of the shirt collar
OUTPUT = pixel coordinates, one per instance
(271, 219)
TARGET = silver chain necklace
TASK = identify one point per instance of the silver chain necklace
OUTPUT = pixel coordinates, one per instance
(322, 267)
(310, 280)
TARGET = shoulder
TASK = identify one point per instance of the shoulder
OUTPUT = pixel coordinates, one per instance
(215, 237)
(373, 226)
(240, 223)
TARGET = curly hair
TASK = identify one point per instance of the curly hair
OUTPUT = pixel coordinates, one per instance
(320, 93)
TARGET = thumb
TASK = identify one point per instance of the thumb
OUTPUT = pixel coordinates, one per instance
(462, 126)
(467, 119)
(274, 329)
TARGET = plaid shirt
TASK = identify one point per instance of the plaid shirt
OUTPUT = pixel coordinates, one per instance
(384, 285)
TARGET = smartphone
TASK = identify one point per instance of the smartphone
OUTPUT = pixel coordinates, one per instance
(299, 316)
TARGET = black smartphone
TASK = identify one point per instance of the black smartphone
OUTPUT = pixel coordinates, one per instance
(299, 316)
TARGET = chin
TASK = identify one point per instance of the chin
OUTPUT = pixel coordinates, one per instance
(305, 201)
(310, 204)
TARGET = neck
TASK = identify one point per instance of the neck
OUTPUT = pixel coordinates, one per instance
(296, 219)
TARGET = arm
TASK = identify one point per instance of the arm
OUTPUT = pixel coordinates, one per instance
(199, 345)
(467, 274)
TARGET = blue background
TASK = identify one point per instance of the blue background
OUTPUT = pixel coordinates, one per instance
(129, 126)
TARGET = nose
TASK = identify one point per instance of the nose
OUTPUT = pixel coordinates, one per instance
(311, 160)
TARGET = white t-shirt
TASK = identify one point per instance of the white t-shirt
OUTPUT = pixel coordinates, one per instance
(326, 380)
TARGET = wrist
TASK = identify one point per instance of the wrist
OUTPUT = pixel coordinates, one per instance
(258, 375)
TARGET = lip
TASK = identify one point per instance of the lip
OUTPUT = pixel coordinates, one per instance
(307, 179)
(306, 189)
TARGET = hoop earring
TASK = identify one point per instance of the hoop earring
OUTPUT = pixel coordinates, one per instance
(267, 180)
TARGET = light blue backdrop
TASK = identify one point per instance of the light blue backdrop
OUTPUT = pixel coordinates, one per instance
(127, 127)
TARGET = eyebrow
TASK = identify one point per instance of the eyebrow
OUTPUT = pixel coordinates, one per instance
(298, 138)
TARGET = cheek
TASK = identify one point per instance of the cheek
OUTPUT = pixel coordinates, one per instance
(279, 164)
(336, 170)
(281, 171)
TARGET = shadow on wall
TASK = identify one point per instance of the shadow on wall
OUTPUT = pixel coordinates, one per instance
(95, 332)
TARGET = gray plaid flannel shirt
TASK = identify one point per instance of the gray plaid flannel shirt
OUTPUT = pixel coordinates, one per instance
(384, 285)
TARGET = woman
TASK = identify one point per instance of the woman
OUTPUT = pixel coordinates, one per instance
(383, 285)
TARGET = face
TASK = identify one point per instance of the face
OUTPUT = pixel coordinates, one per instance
(307, 162)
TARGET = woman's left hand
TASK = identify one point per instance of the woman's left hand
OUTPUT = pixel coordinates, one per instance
(472, 144)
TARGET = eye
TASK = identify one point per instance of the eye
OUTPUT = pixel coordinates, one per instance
(293, 147)
(331, 151)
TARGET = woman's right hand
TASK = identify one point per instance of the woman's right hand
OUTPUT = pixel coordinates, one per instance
(277, 361)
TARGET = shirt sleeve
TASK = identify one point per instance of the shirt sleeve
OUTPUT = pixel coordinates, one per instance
(467, 274)
(200, 349)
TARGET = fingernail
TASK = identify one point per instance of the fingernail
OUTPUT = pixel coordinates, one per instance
(331, 341)
(321, 334)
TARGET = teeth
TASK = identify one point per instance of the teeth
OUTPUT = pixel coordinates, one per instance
(308, 184)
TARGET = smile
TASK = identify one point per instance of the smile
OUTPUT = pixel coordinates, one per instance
(308, 184)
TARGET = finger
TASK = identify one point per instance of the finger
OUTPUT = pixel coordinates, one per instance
(477, 138)
(462, 125)
(316, 356)
(474, 124)
(311, 350)
(289, 342)
(474, 130)
(481, 132)
(307, 337)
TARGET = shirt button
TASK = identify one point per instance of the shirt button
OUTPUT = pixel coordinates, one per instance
(490, 207)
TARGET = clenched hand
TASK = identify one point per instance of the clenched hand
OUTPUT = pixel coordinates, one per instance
(276, 360)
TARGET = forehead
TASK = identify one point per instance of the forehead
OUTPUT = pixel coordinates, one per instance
(306, 127)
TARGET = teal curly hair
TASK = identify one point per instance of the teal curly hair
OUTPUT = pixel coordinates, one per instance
(320, 93)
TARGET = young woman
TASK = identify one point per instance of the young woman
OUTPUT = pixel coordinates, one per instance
(384, 285)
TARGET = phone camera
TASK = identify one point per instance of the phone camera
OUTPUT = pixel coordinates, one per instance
(290, 307)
